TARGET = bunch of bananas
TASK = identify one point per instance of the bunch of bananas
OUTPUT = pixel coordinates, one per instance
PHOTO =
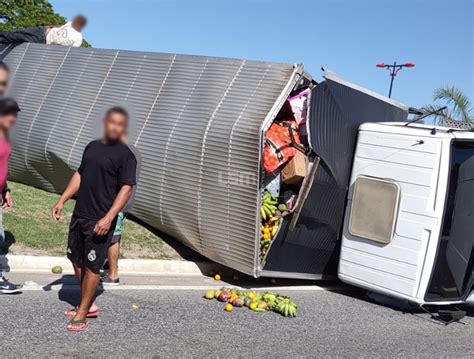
(280, 304)
(271, 213)
(271, 299)
(269, 206)
(286, 307)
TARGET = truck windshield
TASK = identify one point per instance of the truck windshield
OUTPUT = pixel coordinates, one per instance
(452, 275)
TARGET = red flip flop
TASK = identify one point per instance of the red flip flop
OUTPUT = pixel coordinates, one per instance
(83, 325)
(71, 313)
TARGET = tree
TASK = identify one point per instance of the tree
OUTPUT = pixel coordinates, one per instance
(458, 106)
(17, 14)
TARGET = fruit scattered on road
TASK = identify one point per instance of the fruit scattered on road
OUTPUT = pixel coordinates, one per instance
(217, 277)
(57, 269)
(209, 294)
(260, 303)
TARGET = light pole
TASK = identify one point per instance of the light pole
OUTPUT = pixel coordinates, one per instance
(393, 69)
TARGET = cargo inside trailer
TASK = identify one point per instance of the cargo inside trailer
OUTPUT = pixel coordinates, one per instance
(288, 166)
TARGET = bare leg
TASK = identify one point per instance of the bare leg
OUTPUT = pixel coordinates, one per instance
(113, 256)
(90, 282)
(78, 271)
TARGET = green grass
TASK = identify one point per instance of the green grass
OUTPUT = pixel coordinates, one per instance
(29, 226)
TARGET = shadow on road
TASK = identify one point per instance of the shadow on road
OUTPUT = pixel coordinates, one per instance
(426, 312)
(69, 291)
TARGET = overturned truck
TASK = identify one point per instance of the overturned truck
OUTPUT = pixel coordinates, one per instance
(200, 125)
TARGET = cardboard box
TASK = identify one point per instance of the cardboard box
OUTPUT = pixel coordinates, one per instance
(295, 170)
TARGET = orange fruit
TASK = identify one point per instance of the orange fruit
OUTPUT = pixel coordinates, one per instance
(217, 277)
(228, 307)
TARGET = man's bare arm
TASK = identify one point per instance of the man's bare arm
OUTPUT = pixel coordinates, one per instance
(103, 226)
(71, 189)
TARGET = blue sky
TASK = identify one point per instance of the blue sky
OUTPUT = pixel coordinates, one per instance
(349, 39)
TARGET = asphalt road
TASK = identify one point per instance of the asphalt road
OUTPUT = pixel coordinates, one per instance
(152, 320)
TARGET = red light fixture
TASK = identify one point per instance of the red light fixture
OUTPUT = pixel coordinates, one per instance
(394, 69)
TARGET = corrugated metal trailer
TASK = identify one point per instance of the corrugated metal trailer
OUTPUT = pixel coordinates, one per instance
(199, 124)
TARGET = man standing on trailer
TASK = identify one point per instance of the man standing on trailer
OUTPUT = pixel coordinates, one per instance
(103, 184)
(68, 34)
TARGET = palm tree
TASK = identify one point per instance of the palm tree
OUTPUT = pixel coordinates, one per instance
(458, 106)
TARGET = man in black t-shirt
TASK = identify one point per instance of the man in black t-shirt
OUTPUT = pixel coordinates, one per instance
(103, 184)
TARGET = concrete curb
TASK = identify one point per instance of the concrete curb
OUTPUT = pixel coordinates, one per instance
(19, 263)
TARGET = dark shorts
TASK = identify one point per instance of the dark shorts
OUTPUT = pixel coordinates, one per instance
(84, 247)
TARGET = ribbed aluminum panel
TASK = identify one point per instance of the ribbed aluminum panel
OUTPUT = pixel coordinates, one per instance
(197, 125)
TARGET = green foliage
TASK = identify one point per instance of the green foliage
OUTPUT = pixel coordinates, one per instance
(459, 105)
(18, 14)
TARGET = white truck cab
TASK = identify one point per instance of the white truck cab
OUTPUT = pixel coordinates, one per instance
(409, 224)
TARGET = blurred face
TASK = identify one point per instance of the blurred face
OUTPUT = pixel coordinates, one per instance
(3, 81)
(115, 125)
(8, 120)
(78, 23)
